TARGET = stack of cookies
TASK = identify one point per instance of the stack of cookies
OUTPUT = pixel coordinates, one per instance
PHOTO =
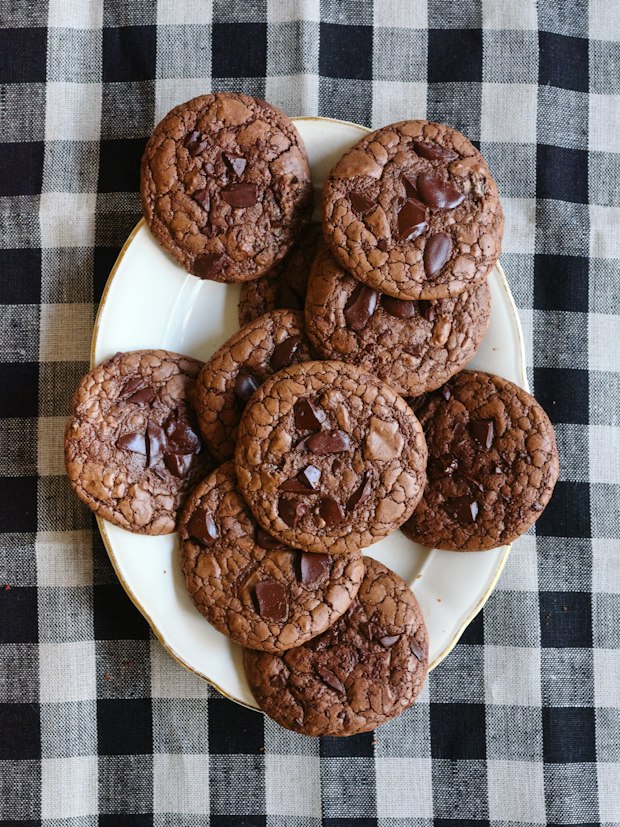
(337, 414)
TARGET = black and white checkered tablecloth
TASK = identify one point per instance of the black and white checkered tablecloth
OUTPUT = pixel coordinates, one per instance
(521, 724)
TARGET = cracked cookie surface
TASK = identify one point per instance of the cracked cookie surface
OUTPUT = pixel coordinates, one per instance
(367, 668)
(250, 586)
(493, 463)
(412, 210)
(132, 449)
(225, 186)
(239, 367)
(285, 285)
(414, 346)
(329, 458)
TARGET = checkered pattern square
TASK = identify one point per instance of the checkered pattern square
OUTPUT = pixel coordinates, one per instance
(521, 724)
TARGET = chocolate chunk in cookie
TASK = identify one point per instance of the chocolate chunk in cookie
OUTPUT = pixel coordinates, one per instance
(492, 464)
(329, 458)
(412, 210)
(226, 186)
(367, 668)
(132, 445)
(414, 346)
(230, 377)
(260, 593)
(284, 287)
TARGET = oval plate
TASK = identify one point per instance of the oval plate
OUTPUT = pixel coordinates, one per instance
(150, 302)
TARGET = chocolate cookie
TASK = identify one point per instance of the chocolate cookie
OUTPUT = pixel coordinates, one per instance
(250, 586)
(414, 346)
(285, 285)
(239, 367)
(366, 669)
(132, 449)
(226, 186)
(329, 458)
(492, 464)
(413, 211)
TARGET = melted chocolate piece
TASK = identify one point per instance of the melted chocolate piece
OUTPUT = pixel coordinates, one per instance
(131, 386)
(240, 195)
(437, 193)
(483, 432)
(383, 244)
(416, 651)
(156, 444)
(245, 385)
(361, 493)
(195, 143)
(434, 152)
(291, 511)
(426, 309)
(463, 509)
(388, 640)
(272, 600)
(402, 309)
(305, 482)
(185, 440)
(143, 396)
(235, 163)
(436, 252)
(360, 306)
(136, 443)
(360, 203)
(328, 677)
(209, 265)
(284, 354)
(202, 527)
(203, 199)
(266, 541)
(409, 183)
(178, 464)
(331, 511)
(308, 415)
(328, 442)
(412, 220)
(313, 568)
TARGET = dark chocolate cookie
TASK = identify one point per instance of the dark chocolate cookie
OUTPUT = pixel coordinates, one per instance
(492, 464)
(239, 367)
(132, 449)
(329, 458)
(250, 586)
(226, 186)
(285, 285)
(414, 346)
(413, 211)
(367, 668)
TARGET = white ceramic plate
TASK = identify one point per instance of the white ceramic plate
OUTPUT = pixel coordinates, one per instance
(150, 302)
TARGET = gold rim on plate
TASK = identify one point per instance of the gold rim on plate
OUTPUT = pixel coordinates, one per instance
(102, 525)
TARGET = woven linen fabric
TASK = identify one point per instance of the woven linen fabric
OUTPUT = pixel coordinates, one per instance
(520, 724)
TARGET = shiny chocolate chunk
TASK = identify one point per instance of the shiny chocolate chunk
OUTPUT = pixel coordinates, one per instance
(360, 306)
(143, 396)
(412, 220)
(436, 252)
(483, 432)
(285, 353)
(266, 541)
(426, 309)
(331, 511)
(305, 482)
(361, 203)
(183, 438)
(202, 199)
(240, 195)
(272, 600)
(400, 308)
(328, 677)
(437, 193)
(328, 442)
(195, 142)
(245, 385)
(202, 527)
(131, 386)
(235, 163)
(178, 464)
(409, 182)
(434, 152)
(291, 511)
(156, 443)
(308, 415)
(134, 442)
(416, 651)
(387, 641)
(361, 493)
(313, 567)
(209, 265)
(463, 509)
